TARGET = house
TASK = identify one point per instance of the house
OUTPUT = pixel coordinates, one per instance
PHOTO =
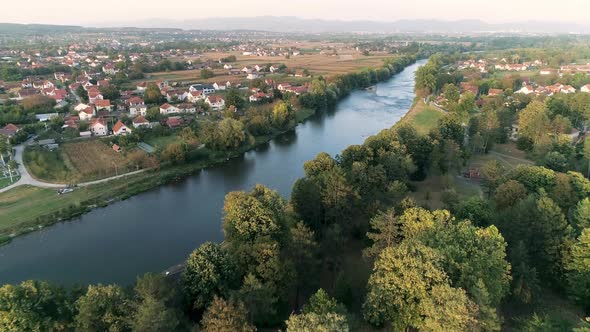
(195, 96)
(568, 89)
(176, 95)
(297, 90)
(162, 84)
(259, 96)
(546, 72)
(103, 105)
(121, 129)
(87, 114)
(168, 109)
(174, 122)
(247, 70)
(215, 102)
(141, 87)
(275, 68)
(283, 87)
(9, 130)
(98, 127)
(495, 92)
(259, 68)
(109, 69)
(103, 83)
(228, 66)
(585, 88)
(253, 76)
(137, 106)
(140, 121)
(186, 108)
(94, 95)
(527, 89)
(206, 89)
(222, 86)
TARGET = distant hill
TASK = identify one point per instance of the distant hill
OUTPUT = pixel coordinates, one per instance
(294, 24)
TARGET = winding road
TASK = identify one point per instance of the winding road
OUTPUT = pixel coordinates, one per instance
(27, 179)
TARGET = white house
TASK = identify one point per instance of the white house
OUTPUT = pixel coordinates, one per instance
(253, 76)
(206, 89)
(222, 86)
(228, 66)
(186, 108)
(284, 87)
(585, 88)
(527, 89)
(215, 102)
(87, 114)
(259, 68)
(178, 95)
(195, 96)
(258, 97)
(247, 69)
(138, 109)
(103, 105)
(140, 121)
(168, 109)
(98, 127)
(121, 129)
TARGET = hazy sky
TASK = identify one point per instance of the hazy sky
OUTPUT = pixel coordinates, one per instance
(121, 11)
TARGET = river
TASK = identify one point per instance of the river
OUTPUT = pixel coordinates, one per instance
(159, 228)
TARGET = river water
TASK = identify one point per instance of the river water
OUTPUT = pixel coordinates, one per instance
(157, 229)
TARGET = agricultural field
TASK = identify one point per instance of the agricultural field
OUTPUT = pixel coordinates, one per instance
(76, 162)
(317, 64)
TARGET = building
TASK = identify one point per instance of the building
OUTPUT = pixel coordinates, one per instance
(87, 114)
(121, 129)
(9, 130)
(215, 102)
(206, 89)
(140, 121)
(168, 109)
(103, 105)
(98, 127)
(585, 88)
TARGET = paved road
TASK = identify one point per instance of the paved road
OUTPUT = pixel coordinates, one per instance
(27, 179)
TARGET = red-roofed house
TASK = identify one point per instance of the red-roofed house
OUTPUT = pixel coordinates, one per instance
(103, 105)
(87, 113)
(9, 130)
(121, 129)
(98, 127)
(168, 109)
(495, 92)
(140, 121)
(215, 102)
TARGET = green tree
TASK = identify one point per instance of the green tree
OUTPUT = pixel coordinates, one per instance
(303, 252)
(206, 74)
(451, 93)
(226, 316)
(234, 98)
(385, 233)
(581, 215)
(34, 306)
(322, 313)
(282, 114)
(400, 285)
(174, 153)
(104, 308)
(534, 122)
(578, 270)
(152, 94)
(209, 271)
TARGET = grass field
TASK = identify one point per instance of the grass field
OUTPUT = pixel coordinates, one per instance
(75, 162)
(6, 181)
(423, 117)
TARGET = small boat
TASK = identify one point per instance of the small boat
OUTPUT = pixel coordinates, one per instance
(371, 88)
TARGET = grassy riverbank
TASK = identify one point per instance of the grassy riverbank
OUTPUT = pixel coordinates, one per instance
(25, 208)
(423, 117)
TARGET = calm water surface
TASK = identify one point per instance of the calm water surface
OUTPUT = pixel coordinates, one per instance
(157, 229)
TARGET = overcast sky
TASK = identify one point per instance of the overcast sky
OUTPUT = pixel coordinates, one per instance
(95, 13)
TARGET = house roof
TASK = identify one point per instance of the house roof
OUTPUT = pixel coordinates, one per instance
(98, 121)
(214, 99)
(165, 106)
(102, 103)
(140, 119)
(118, 126)
(88, 110)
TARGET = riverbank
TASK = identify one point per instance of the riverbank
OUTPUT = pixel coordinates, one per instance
(422, 117)
(25, 209)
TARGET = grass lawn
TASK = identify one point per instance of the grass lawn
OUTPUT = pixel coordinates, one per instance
(76, 162)
(160, 142)
(423, 117)
(6, 181)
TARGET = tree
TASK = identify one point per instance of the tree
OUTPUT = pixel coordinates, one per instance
(525, 281)
(282, 114)
(578, 270)
(534, 122)
(209, 271)
(322, 313)
(448, 309)
(302, 251)
(174, 153)
(152, 94)
(400, 285)
(581, 215)
(206, 74)
(451, 93)
(110, 92)
(509, 194)
(152, 315)
(587, 153)
(386, 233)
(234, 97)
(229, 135)
(226, 316)
(103, 308)
(492, 172)
(34, 306)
